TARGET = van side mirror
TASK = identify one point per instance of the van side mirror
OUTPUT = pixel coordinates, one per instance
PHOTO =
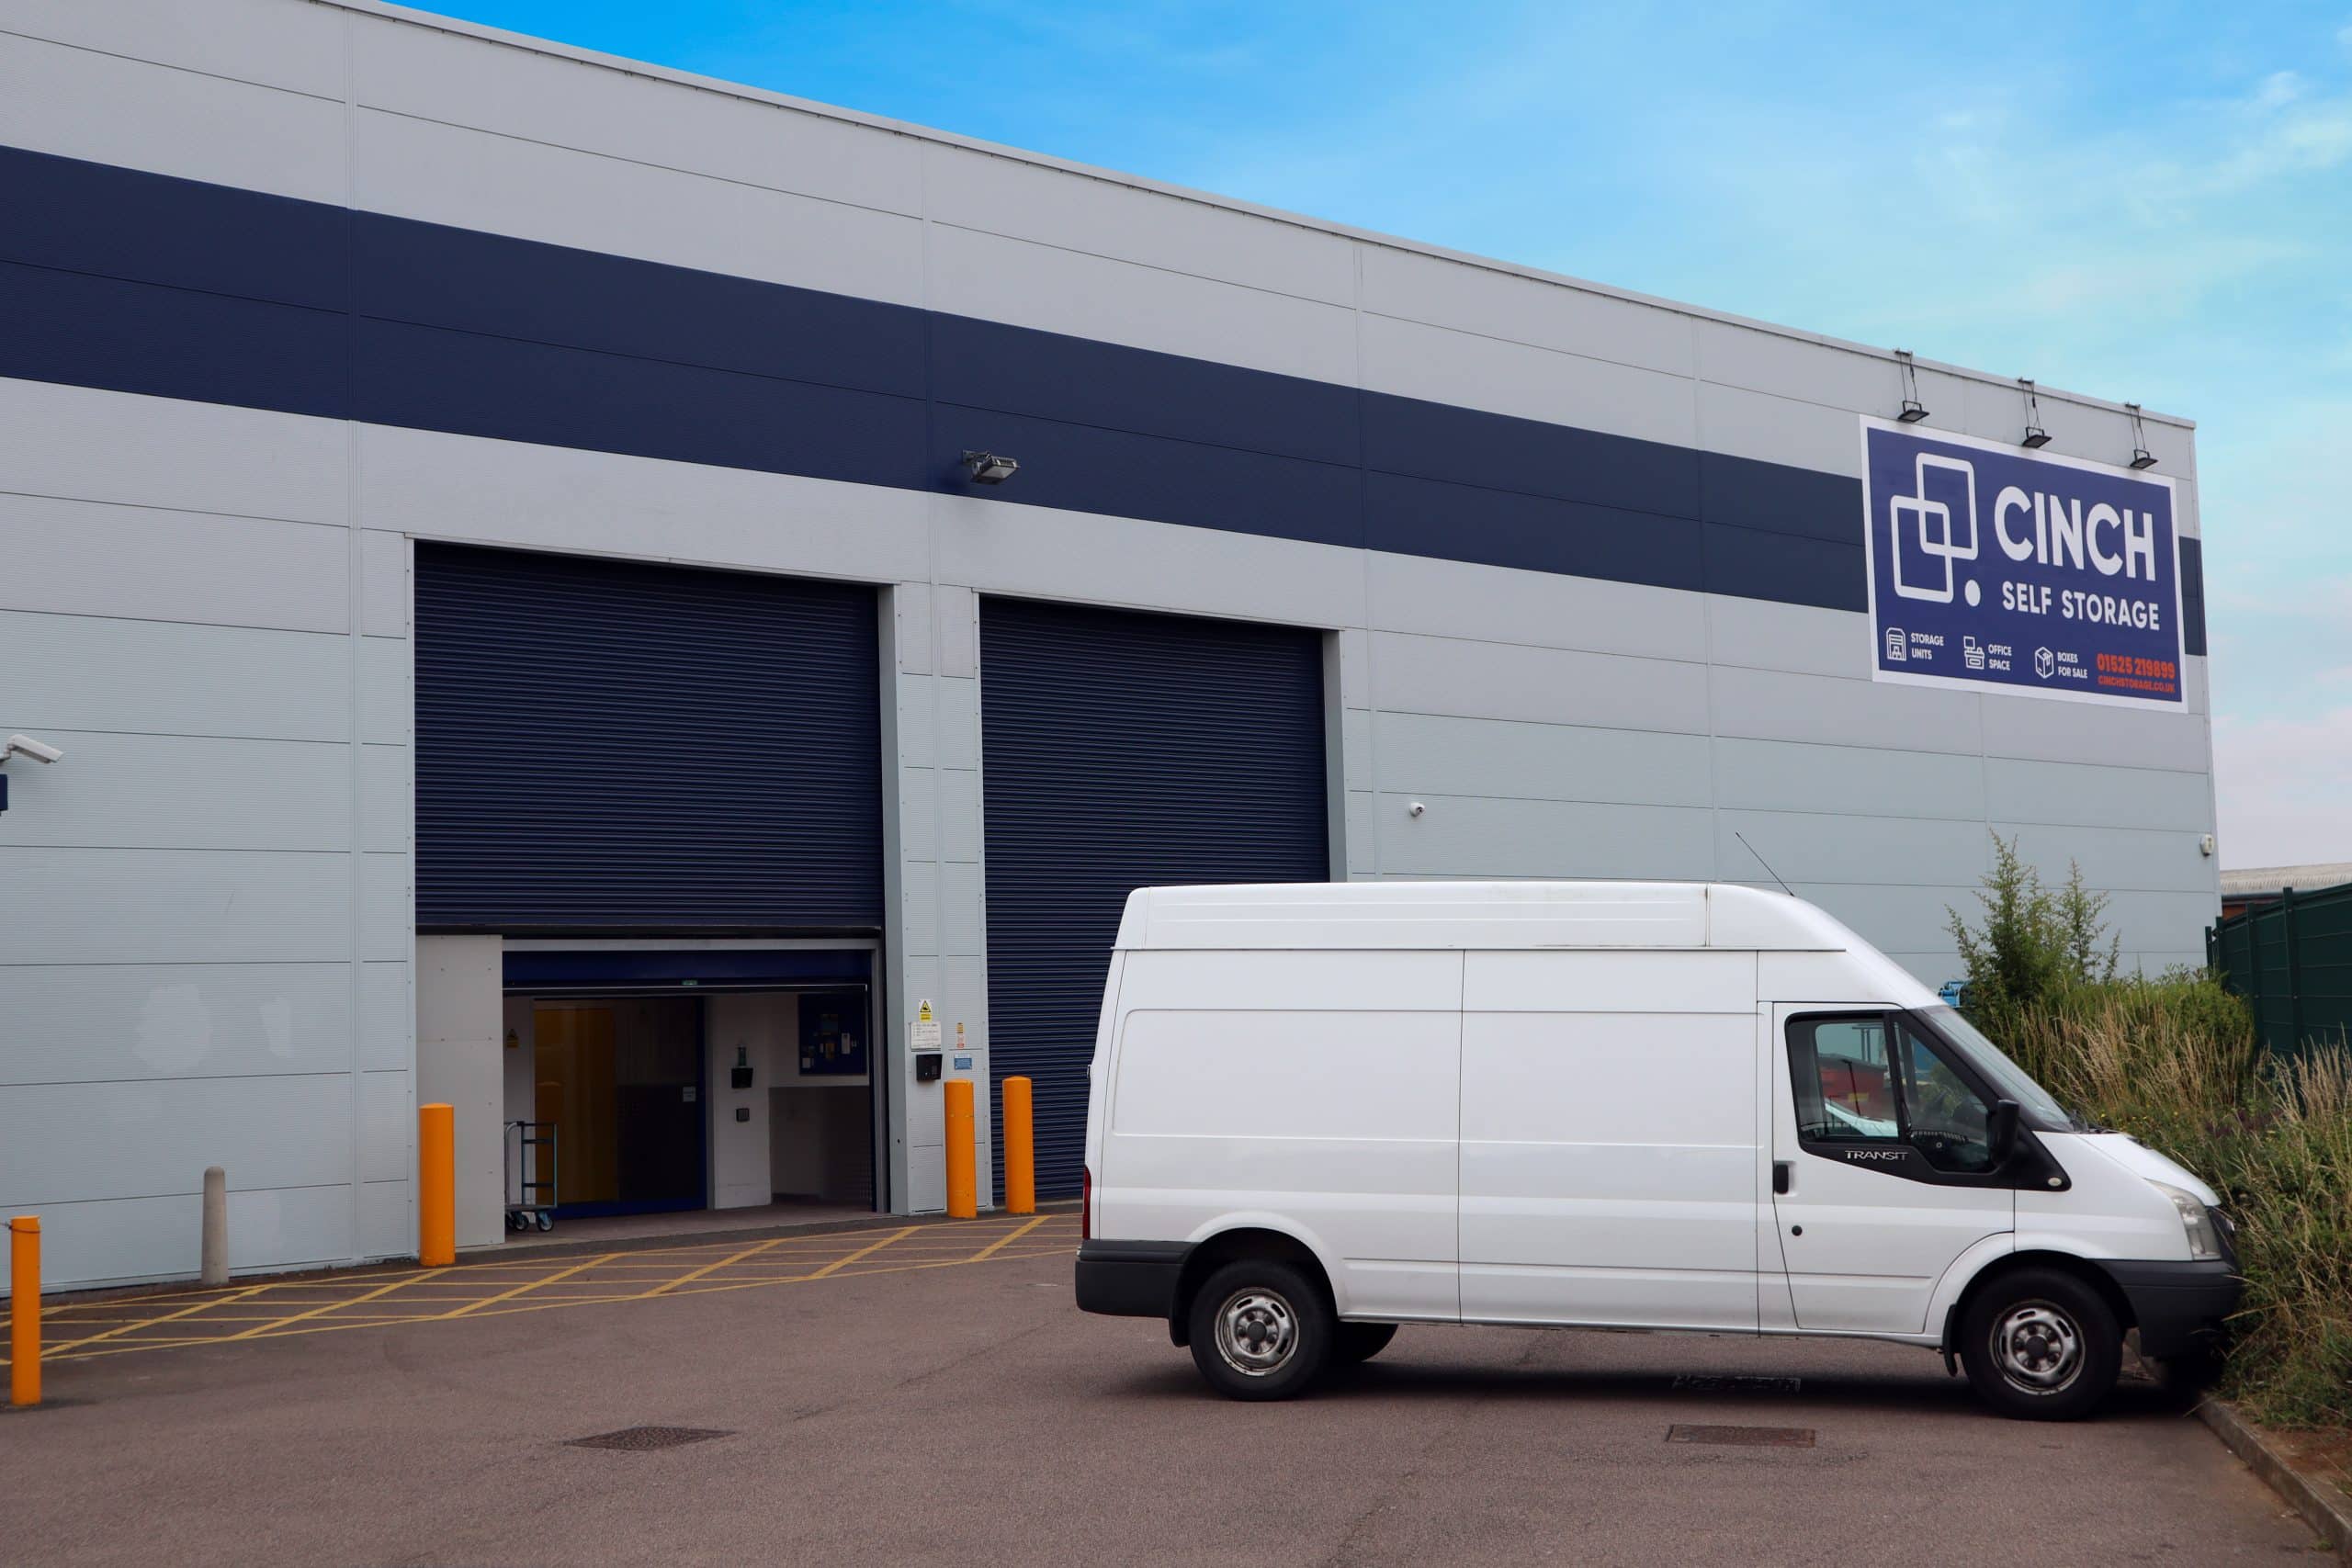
(2001, 1131)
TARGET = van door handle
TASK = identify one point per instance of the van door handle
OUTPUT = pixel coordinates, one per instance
(1783, 1175)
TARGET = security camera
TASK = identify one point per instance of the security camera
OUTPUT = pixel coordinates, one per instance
(27, 746)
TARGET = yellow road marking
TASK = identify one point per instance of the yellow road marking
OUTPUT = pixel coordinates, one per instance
(712, 1267)
(481, 1302)
(151, 1321)
(617, 1276)
(384, 1290)
(861, 1252)
(1001, 1242)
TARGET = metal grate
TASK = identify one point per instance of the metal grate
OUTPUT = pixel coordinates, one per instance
(1749, 1437)
(1710, 1383)
(638, 1439)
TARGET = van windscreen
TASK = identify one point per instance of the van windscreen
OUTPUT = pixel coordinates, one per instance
(2008, 1081)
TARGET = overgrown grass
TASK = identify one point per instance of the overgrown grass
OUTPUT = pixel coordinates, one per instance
(2175, 1062)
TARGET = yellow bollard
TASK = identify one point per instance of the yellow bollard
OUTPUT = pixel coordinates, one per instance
(1019, 1148)
(24, 1309)
(962, 1186)
(436, 1186)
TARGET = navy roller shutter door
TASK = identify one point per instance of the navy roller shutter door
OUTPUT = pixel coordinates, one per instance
(1125, 751)
(607, 746)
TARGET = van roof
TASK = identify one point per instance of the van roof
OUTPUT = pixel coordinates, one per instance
(1484, 915)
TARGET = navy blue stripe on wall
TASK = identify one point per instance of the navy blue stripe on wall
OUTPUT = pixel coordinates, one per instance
(145, 283)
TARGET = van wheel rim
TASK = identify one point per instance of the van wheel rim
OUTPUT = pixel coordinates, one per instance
(2038, 1347)
(1257, 1333)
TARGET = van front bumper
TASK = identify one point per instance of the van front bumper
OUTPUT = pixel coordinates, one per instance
(1130, 1279)
(2177, 1305)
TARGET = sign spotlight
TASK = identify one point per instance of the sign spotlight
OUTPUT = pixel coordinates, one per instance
(989, 468)
(1914, 410)
(2035, 436)
(2140, 457)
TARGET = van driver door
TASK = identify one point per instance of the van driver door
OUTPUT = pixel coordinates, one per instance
(1882, 1165)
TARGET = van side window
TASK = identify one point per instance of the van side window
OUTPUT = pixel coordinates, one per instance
(1872, 1079)
(1838, 1068)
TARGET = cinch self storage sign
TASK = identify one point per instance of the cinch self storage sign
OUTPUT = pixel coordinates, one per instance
(1994, 566)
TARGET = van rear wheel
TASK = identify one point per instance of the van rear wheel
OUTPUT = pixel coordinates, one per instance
(2041, 1346)
(1260, 1330)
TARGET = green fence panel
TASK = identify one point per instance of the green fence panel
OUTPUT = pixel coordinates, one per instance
(2292, 961)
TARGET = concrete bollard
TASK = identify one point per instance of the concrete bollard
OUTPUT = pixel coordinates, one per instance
(1020, 1147)
(963, 1186)
(436, 1186)
(214, 1267)
(24, 1309)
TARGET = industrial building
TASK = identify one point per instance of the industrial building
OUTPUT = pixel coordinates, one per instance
(614, 600)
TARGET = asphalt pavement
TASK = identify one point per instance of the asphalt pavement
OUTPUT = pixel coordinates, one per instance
(971, 1414)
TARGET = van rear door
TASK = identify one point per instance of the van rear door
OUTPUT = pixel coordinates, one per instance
(1315, 1094)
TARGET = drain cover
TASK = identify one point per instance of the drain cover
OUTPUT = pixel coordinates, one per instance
(1705, 1382)
(637, 1439)
(1750, 1436)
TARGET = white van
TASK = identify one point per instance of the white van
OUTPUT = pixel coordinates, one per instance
(1319, 1111)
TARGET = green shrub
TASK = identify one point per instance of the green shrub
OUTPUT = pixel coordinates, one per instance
(2174, 1061)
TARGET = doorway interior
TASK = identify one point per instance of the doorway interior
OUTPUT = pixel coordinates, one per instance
(675, 1080)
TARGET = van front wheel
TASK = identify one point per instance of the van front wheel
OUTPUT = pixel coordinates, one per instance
(2041, 1346)
(1260, 1330)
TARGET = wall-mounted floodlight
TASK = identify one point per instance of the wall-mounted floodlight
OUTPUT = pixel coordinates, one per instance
(2035, 436)
(1914, 410)
(2140, 457)
(989, 468)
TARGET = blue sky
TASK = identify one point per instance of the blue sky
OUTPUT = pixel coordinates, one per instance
(2150, 203)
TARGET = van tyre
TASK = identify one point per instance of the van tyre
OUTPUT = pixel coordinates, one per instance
(1360, 1342)
(1260, 1330)
(2040, 1345)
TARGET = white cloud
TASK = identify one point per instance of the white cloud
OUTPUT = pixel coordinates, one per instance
(2284, 787)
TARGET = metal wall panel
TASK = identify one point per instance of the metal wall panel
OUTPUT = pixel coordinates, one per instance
(1124, 750)
(69, 558)
(151, 1021)
(297, 47)
(84, 103)
(431, 73)
(603, 746)
(972, 189)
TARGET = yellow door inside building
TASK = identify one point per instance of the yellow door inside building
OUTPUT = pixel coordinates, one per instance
(621, 1081)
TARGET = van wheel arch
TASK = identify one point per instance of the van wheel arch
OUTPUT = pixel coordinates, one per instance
(1227, 1247)
(2091, 1274)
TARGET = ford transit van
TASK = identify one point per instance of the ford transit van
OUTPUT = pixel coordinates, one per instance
(1319, 1111)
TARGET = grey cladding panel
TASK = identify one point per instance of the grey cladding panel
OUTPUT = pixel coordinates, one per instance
(1470, 836)
(1488, 680)
(2088, 794)
(1775, 776)
(1538, 762)
(1766, 705)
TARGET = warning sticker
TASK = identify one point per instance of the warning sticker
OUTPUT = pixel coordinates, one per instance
(925, 1034)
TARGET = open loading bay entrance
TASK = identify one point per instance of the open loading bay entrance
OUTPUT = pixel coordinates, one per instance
(673, 945)
(745, 1078)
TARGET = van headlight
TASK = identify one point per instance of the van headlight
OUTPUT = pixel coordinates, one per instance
(2197, 1221)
